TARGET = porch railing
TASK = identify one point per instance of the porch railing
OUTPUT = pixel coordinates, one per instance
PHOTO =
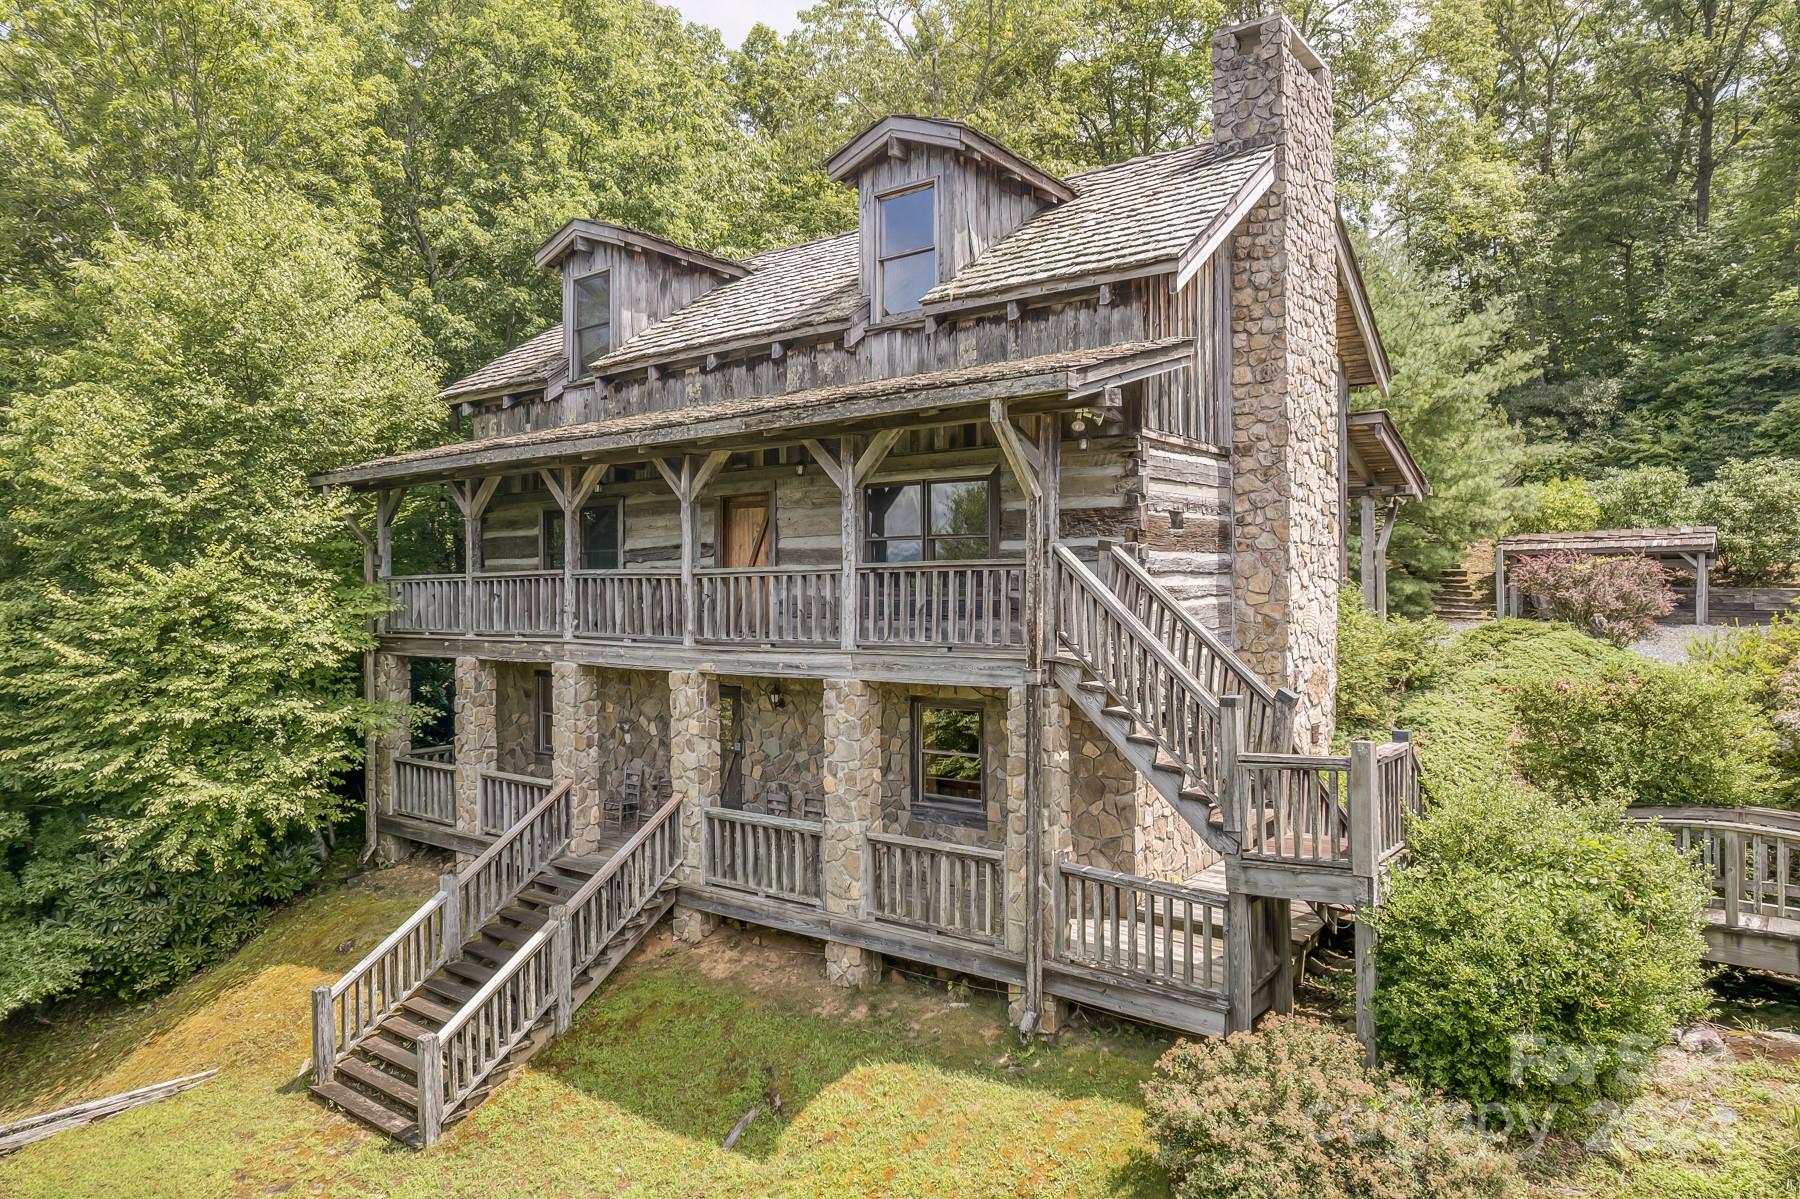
(505, 798)
(529, 602)
(786, 605)
(774, 856)
(491, 881)
(957, 890)
(425, 785)
(427, 604)
(1751, 855)
(942, 603)
(1140, 929)
(629, 605)
(1345, 812)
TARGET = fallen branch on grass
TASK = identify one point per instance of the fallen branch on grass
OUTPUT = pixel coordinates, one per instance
(35, 1128)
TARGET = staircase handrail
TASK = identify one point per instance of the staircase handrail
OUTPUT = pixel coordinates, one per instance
(1278, 703)
(628, 854)
(478, 909)
(1191, 738)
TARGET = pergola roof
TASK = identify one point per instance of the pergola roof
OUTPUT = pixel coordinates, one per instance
(1687, 539)
(1380, 463)
(753, 421)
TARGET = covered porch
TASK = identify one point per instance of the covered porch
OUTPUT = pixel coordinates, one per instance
(1380, 476)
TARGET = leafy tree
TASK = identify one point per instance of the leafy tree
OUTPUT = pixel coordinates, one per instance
(176, 624)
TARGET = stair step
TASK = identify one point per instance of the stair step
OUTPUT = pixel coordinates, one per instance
(510, 934)
(1142, 738)
(1117, 713)
(487, 952)
(394, 1087)
(430, 1008)
(391, 1052)
(547, 899)
(1093, 685)
(524, 917)
(472, 972)
(453, 992)
(405, 1026)
(369, 1110)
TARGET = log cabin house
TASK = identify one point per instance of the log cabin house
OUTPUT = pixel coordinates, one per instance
(959, 590)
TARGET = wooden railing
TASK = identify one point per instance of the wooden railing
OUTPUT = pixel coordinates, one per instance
(957, 890)
(624, 886)
(529, 602)
(1138, 670)
(491, 881)
(1268, 714)
(773, 856)
(785, 605)
(344, 1011)
(634, 605)
(1752, 856)
(441, 754)
(425, 787)
(942, 603)
(427, 604)
(504, 799)
(1139, 928)
(1294, 808)
(1399, 800)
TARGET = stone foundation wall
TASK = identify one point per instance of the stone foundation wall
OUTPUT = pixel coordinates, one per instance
(575, 739)
(853, 719)
(1118, 821)
(515, 716)
(897, 765)
(694, 776)
(635, 722)
(477, 738)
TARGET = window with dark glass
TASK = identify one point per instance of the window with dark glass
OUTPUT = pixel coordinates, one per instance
(929, 521)
(601, 529)
(906, 248)
(593, 321)
(545, 713)
(949, 776)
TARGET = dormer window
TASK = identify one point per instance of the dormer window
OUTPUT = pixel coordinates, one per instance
(906, 249)
(592, 318)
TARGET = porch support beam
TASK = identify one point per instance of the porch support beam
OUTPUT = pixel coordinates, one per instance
(1021, 457)
(688, 478)
(1365, 528)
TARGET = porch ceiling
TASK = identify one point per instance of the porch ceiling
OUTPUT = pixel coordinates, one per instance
(1050, 380)
(1380, 463)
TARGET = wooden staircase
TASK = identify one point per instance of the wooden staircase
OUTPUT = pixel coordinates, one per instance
(434, 1019)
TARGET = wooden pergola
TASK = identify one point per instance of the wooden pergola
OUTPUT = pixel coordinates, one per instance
(1382, 475)
(1692, 546)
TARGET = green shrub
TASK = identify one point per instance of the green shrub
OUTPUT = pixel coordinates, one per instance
(1646, 734)
(1558, 506)
(1766, 661)
(1535, 952)
(1290, 1111)
(1756, 506)
(1650, 497)
(1618, 599)
(1380, 662)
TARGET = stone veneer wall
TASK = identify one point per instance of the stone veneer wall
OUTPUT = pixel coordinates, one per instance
(1118, 822)
(782, 742)
(852, 785)
(694, 778)
(635, 718)
(1269, 88)
(575, 739)
(392, 685)
(477, 739)
(515, 719)
(897, 765)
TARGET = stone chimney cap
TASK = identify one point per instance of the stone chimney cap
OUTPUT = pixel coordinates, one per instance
(1249, 34)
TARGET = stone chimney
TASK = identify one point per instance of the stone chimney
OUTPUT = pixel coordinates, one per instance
(1271, 89)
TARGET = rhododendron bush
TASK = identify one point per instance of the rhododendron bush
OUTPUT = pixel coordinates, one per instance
(1617, 599)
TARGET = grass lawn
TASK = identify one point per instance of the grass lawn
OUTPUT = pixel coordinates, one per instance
(909, 1090)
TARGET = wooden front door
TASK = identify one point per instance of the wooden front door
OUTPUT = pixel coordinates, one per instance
(744, 532)
(731, 747)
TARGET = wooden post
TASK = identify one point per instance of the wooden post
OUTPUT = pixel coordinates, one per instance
(1281, 736)
(1279, 929)
(1050, 484)
(1365, 986)
(1700, 587)
(866, 907)
(1240, 964)
(451, 889)
(1390, 511)
(1231, 792)
(1366, 532)
(1365, 810)
(324, 1034)
(431, 1089)
(1499, 582)
(690, 549)
(1731, 853)
(850, 516)
(562, 964)
(571, 550)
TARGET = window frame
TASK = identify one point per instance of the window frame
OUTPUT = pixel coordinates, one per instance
(927, 539)
(550, 545)
(544, 717)
(943, 809)
(878, 300)
(580, 371)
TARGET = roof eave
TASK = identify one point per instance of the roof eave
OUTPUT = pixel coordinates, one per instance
(569, 237)
(1350, 273)
(949, 135)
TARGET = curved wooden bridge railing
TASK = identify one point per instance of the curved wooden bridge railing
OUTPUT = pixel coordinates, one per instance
(1752, 856)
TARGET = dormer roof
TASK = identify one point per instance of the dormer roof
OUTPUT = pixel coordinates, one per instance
(582, 231)
(891, 134)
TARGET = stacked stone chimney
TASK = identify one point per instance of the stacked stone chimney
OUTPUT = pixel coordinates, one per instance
(1270, 89)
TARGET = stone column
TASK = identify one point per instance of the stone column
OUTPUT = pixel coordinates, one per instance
(1055, 775)
(1271, 90)
(392, 684)
(1055, 830)
(694, 768)
(851, 781)
(477, 735)
(575, 746)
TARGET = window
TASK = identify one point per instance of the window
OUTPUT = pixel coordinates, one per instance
(601, 534)
(545, 714)
(949, 775)
(592, 318)
(942, 520)
(906, 249)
